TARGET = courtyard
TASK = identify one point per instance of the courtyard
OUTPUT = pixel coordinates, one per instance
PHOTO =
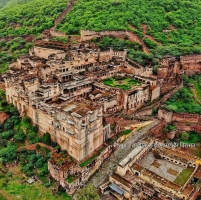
(161, 167)
(124, 83)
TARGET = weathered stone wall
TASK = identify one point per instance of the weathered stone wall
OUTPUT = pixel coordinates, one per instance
(191, 64)
(176, 117)
(165, 115)
(45, 53)
(187, 126)
(185, 117)
(155, 93)
(157, 130)
(144, 112)
(57, 34)
(28, 38)
(88, 35)
(162, 72)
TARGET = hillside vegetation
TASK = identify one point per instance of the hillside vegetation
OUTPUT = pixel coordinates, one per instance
(24, 17)
(174, 23)
(184, 101)
(3, 3)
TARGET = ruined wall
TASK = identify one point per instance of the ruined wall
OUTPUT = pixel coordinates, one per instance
(185, 117)
(157, 130)
(162, 72)
(28, 38)
(145, 112)
(88, 35)
(155, 93)
(191, 64)
(57, 34)
(187, 126)
(178, 117)
(45, 53)
(165, 115)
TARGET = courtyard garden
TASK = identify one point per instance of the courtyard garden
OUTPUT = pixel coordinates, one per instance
(184, 176)
(124, 83)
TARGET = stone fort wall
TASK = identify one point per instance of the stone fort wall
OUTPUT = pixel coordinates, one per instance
(177, 117)
(88, 35)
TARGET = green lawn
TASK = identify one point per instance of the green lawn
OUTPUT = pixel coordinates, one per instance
(121, 82)
(17, 190)
(88, 161)
(125, 132)
(183, 176)
(71, 178)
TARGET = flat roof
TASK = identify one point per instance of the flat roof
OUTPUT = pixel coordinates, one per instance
(131, 155)
(116, 189)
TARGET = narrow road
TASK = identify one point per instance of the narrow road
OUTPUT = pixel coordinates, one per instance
(111, 162)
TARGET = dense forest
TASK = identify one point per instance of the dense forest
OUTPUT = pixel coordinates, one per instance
(23, 17)
(174, 23)
(3, 3)
(11, 50)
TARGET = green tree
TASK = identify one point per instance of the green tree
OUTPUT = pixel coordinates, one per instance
(185, 136)
(87, 193)
(20, 136)
(46, 138)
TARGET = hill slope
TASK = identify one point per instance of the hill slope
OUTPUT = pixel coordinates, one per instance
(3, 3)
(166, 26)
(20, 17)
(168, 21)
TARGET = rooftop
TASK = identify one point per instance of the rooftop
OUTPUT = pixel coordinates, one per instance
(131, 155)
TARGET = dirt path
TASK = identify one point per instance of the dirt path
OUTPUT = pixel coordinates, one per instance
(144, 28)
(33, 146)
(70, 5)
(194, 91)
(111, 162)
(4, 194)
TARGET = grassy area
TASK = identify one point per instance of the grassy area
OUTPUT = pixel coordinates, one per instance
(88, 161)
(121, 82)
(2, 197)
(193, 138)
(183, 176)
(125, 132)
(15, 189)
(196, 150)
(112, 140)
(187, 99)
(71, 178)
(183, 101)
(196, 84)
